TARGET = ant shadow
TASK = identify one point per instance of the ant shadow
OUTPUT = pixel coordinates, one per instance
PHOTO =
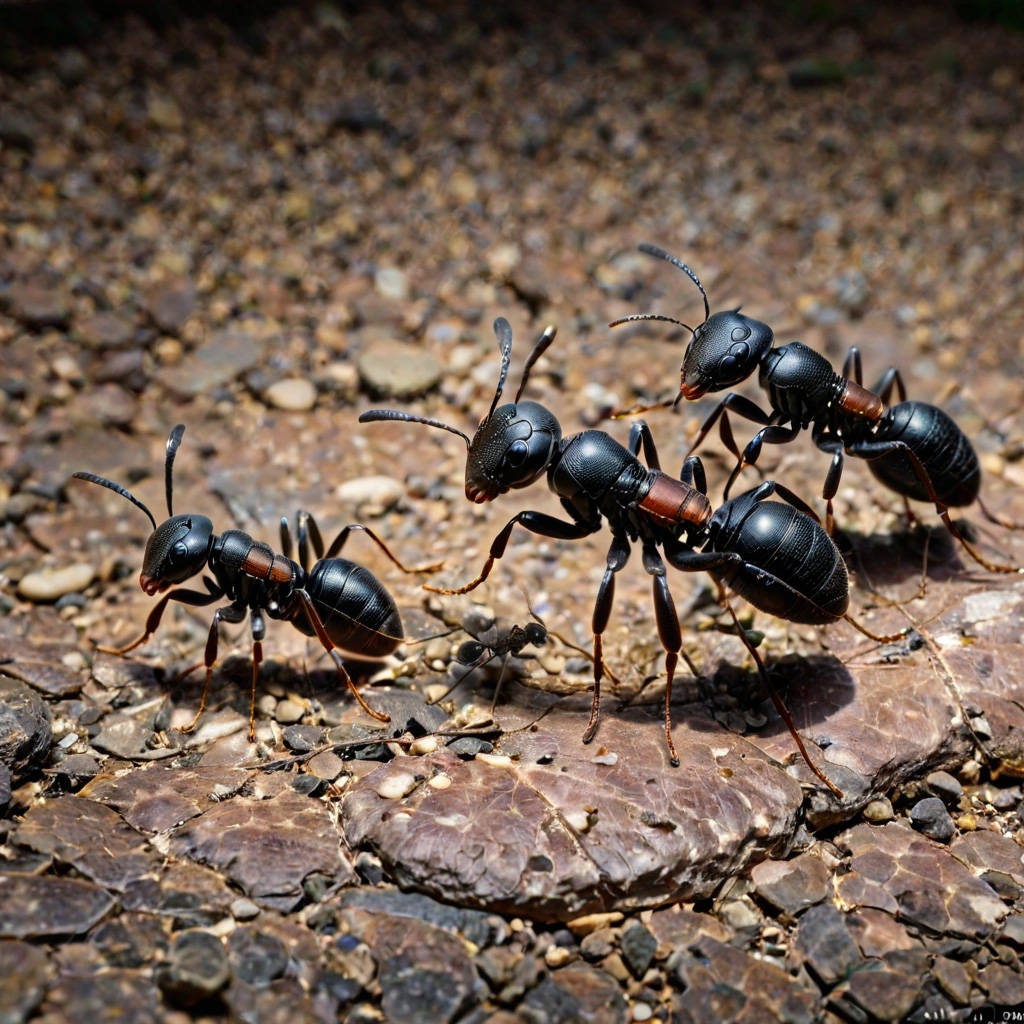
(922, 552)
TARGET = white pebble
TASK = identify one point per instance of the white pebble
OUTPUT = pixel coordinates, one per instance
(396, 786)
(49, 584)
(423, 745)
(441, 781)
(371, 495)
(294, 394)
(391, 283)
(498, 760)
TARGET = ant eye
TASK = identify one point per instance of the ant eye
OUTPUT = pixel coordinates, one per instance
(740, 333)
(178, 553)
(727, 365)
(517, 453)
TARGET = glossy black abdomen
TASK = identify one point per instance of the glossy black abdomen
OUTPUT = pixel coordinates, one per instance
(358, 613)
(944, 450)
(790, 569)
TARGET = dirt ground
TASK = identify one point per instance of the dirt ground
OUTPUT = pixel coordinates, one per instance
(262, 223)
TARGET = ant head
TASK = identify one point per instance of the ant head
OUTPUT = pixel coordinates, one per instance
(724, 350)
(180, 546)
(514, 443)
(177, 549)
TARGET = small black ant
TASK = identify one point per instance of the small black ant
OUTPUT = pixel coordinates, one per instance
(775, 555)
(913, 448)
(339, 602)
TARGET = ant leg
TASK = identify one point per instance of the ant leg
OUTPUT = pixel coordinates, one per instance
(190, 597)
(536, 522)
(738, 404)
(879, 449)
(230, 613)
(473, 663)
(852, 367)
(618, 555)
(832, 445)
(780, 705)
(891, 378)
(259, 630)
(994, 517)
(771, 434)
(668, 632)
(286, 538)
(328, 646)
(692, 473)
(640, 435)
(339, 542)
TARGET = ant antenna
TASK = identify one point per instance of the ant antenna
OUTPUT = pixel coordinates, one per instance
(653, 250)
(503, 332)
(173, 443)
(372, 415)
(649, 316)
(547, 336)
(117, 489)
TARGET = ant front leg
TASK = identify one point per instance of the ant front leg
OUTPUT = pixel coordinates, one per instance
(618, 555)
(640, 436)
(189, 597)
(231, 613)
(852, 366)
(771, 434)
(536, 522)
(339, 542)
(742, 407)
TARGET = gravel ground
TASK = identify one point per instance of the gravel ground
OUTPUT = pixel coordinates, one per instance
(261, 224)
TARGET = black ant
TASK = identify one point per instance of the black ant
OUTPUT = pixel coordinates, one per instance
(775, 555)
(339, 602)
(511, 643)
(915, 449)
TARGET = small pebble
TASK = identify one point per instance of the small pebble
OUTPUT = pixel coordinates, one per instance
(396, 786)
(391, 283)
(294, 394)
(243, 909)
(641, 1011)
(49, 584)
(879, 810)
(423, 745)
(288, 711)
(557, 956)
(370, 495)
(440, 781)
(944, 786)
(930, 817)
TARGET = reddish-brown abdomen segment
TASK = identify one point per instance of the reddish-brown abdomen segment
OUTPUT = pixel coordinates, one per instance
(859, 401)
(676, 502)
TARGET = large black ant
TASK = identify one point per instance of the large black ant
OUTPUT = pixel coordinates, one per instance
(775, 555)
(915, 449)
(339, 602)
